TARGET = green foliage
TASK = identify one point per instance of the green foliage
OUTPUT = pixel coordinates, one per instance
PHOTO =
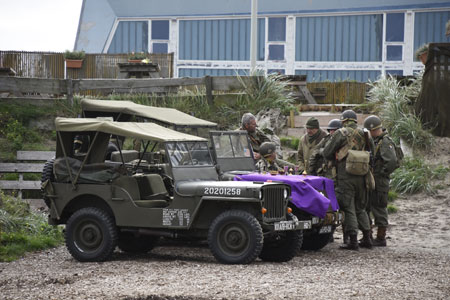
(393, 103)
(290, 142)
(16, 134)
(22, 230)
(74, 54)
(415, 176)
(137, 56)
(392, 195)
(391, 208)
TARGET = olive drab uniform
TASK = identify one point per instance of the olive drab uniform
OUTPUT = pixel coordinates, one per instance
(318, 165)
(350, 189)
(306, 147)
(263, 165)
(385, 162)
(256, 139)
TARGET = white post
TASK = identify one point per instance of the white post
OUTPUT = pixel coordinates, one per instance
(253, 35)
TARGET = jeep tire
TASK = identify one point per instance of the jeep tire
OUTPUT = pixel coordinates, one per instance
(130, 243)
(91, 235)
(282, 247)
(315, 241)
(235, 237)
(47, 174)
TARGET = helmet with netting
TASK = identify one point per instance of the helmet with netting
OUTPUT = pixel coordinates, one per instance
(372, 122)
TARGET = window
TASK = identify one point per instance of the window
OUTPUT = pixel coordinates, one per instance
(394, 53)
(395, 27)
(276, 38)
(189, 154)
(276, 52)
(160, 36)
(277, 29)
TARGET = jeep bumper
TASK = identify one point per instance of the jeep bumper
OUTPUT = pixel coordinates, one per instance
(331, 218)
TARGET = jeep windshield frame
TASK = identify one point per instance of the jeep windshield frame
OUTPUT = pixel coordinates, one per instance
(188, 154)
(232, 150)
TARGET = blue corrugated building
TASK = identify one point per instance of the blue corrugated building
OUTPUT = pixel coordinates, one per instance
(326, 40)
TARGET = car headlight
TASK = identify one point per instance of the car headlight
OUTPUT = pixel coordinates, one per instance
(260, 194)
(286, 193)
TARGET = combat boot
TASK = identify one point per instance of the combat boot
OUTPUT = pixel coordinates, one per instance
(380, 241)
(346, 238)
(366, 241)
(352, 244)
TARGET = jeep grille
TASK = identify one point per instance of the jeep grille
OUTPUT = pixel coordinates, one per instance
(274, 202)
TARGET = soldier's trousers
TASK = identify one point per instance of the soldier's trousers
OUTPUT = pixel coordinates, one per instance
(352, 199)
(378, 206)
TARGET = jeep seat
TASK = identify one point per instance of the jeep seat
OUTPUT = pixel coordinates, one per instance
(128, 155)
(152, 190)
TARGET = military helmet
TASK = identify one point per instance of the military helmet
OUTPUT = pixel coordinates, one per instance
(348, 115)
(266, 149)
(334, 124)
(372, 122)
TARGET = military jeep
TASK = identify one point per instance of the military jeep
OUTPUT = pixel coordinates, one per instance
(234, 158)
(172, 190)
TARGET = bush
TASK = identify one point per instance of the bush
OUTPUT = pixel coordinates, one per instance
(77, 55)
(391, 208)
(290, 142)
(392, 196)
(393, 103)
(415, 176)
(22, 230)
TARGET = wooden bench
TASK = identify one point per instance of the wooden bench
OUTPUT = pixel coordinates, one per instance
(28, 162)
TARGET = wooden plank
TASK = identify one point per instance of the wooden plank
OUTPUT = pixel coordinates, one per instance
(97, 84)
(32, 85)
(35, 155)
(21, 168)
(227, 83)
(19, 185)
(307, 94)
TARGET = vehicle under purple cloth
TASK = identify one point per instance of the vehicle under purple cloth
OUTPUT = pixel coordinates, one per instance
(305, 191)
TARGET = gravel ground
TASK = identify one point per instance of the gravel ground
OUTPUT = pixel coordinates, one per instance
(415, 265)
(411, 267)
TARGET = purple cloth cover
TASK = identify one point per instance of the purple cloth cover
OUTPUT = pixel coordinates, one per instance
(305, 191)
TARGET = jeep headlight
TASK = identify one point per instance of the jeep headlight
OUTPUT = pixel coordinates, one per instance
(285, 193)
(260, 194)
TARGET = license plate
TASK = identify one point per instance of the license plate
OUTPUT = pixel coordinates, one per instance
(284, 225)
(325, 229)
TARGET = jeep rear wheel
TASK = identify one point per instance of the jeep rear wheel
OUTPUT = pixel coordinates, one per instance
(130, 243)
(282, 247)
(91, 235)
(235, 237)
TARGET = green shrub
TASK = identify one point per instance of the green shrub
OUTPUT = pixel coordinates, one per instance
(393, 103)
(290, 142)
(22, 230)
(392, 196)
(74, 54)
(415, 176)
(391, 208)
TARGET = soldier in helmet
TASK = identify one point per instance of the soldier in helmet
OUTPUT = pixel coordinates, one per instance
(268, 162)
(350, 188)
(385, 162)
(318, 165)
(256, 136)
(308, 142)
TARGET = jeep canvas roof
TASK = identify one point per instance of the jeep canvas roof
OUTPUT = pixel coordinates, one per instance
(145, 131)
(169, 116)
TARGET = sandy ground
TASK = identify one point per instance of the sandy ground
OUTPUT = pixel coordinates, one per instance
(415, 265)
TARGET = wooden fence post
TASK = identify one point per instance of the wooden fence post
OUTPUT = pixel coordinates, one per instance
(208, 85)
(69, 91)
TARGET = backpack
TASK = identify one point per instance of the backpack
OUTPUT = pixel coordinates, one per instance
(358, 161)
(398, 151)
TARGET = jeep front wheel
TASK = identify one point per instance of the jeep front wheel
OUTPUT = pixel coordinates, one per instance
(91, 235)
(235, 237)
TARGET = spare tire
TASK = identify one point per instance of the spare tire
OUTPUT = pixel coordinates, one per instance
(47, 174)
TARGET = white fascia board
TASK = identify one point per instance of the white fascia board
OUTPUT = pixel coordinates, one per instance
(111, 35)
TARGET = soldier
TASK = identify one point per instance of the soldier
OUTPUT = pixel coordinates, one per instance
(384, 163)
(256, 136)
(268, 162)
(351, 189)
(318, 165)
(308, 142)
